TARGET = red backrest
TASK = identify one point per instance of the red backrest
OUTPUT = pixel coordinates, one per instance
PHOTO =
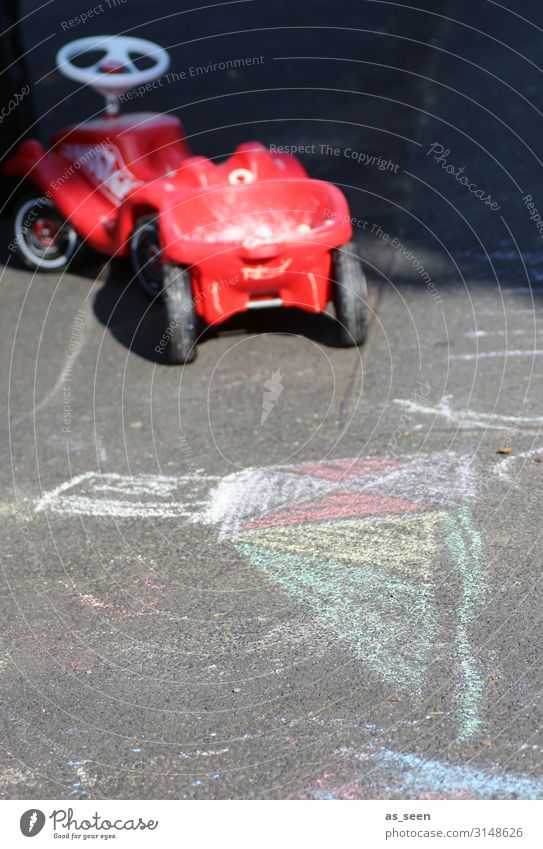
(151, 145)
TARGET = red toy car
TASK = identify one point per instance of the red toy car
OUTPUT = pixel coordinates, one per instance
(212, 240)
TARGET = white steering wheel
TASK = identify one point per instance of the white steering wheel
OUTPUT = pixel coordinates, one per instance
(115, 72)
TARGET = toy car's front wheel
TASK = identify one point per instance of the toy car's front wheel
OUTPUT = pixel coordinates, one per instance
(43, 240)
(171, 283)
(350, 296)
(179, 303)
(147, 255)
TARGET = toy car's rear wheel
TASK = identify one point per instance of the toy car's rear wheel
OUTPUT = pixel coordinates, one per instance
(179, 303)
(44, 240)
(350, 296)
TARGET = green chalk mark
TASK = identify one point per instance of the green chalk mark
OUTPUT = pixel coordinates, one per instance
(460, 529)
(387, 621)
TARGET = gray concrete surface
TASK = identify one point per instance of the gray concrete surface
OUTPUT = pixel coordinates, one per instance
(344, 601)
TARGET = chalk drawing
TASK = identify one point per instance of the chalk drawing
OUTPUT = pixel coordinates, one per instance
(337, 505)
(487, 355)
(359, 545)
(505, 467)
(252, 493)
(418, 772)
(373, 612)
(121, 496)
(344, 470)
(465, 545)
(203, 753)
(388, 773)
(13, 509)
(97, 604)
(478, 334)
(406, 544)
(364, 564)
(15, 776)
(467, 418)
(355, 542)
(256, 494)
(85, 781)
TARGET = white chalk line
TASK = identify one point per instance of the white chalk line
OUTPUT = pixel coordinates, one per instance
(488, 355)
(481, 334)
(468, 418)
(62, 500)
(66, 369)
(504, 468)
(80, 506)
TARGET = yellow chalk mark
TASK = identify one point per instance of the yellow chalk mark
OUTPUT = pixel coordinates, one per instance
(404, 544)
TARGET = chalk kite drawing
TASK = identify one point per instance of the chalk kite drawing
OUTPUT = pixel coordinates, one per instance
(356, 542)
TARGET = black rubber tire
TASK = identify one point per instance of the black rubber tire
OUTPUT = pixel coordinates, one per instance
(350, 296)
(182, 324)
(26, 212)
(144, 238)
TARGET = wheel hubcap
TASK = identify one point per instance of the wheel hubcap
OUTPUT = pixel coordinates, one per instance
(45, 232)
(46, 236)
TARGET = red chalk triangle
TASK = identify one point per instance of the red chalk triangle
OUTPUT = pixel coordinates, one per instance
(344, 469)
(340, 505)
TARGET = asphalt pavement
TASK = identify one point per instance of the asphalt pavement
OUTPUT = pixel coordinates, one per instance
(341, 598)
